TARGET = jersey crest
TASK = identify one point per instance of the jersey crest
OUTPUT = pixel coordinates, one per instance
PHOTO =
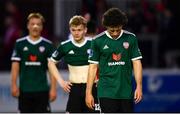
(126, 45)
(41, 49)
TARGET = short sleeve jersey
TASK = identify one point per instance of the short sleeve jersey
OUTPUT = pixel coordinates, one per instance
(115, 57)
(33, 57)
(73, 53)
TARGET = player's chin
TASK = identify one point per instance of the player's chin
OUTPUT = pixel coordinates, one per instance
(114, 37)
(77, 39)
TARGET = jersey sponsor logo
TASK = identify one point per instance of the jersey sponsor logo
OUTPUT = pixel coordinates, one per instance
(33, 58)
(105, 47)
(71, 52)
(126, 45)
(116, 57)
(25, 48)
(33, 63)
(41, 49)
(116, 63)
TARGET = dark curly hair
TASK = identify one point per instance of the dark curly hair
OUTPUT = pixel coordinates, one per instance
(114, 17)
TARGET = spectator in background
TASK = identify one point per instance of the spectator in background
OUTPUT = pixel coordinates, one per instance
(12, 23)
(87, 16)
(88, 10)
(101, 7)
(166, 29)
(12, 33)
(135, 18)
(92, 29)
(95, 8)
(11, 8)
(2, 15)
(29, 63)
(150, 17)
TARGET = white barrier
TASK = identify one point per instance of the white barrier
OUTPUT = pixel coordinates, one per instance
(156, 83)
(10, 104)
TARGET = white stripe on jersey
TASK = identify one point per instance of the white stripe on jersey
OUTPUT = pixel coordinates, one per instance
(21, 39)
(136, 58)
(127, 32)
(53, 60)
(95, 62)
(46, 40)
(16, 59)
(64, 42)
(97, 36)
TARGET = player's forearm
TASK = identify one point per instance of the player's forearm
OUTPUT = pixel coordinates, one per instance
(14, 73)
(137, 66)
(91, 77)
(54, 72)
(53, 81)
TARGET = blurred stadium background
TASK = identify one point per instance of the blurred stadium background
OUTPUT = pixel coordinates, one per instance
(155, 22)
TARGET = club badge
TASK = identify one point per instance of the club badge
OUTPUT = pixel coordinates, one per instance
(126, 45)
(41, 49)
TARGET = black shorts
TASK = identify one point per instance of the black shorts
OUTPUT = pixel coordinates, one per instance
(76, 101)
(116, 105)
(34, 102)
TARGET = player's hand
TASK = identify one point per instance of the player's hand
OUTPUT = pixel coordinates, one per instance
(90, 101)
(66, 86)
(138, 95)
(15, 91)
(52, 95)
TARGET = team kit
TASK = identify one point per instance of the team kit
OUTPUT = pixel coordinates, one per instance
(100, 68)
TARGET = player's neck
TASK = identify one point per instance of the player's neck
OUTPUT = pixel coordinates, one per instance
(80, 41)
(34, 38)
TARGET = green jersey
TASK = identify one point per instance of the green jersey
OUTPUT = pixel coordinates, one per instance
(115, 57)
(76, 56)
(33, 58)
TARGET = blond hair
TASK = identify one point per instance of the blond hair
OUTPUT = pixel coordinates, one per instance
(77, 20)
(36, 15)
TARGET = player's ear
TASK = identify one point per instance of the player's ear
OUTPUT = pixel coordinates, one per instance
(85, 30)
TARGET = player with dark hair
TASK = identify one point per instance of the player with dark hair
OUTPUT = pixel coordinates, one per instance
(29, 63)
(115, 52)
